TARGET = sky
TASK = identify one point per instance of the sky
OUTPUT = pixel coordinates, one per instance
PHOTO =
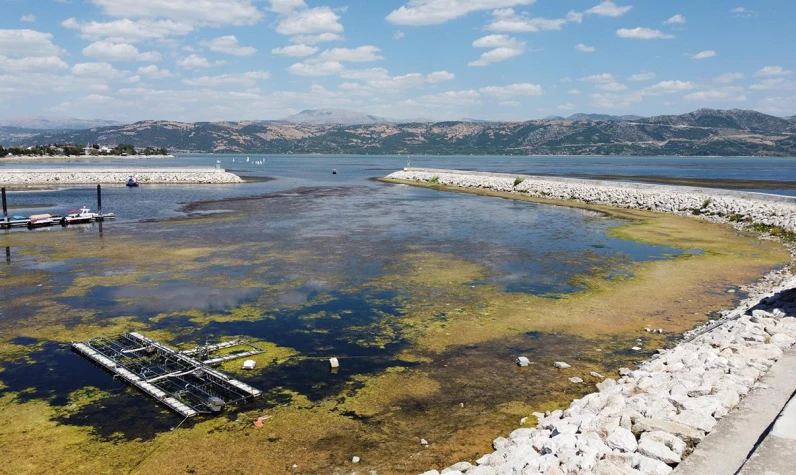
(208, 60)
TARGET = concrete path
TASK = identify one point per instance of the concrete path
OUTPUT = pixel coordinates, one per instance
(727, 450)
(775, 456)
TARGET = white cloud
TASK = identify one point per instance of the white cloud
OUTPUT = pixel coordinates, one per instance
(24, 42)
(726, 94)
(365, 74)
(439, 76)
(585, 48)
(228, 45)
(609, 9)
(502, 47)
(315, 39)
(668, 87)
(96, 70)
(196, 62)
(154, 72)
(445, 99)
(611, 86)
(109, 51)
(675, 20)
(28, 18)
(507, 20)
(31, 63)
(296, 51)
(248, 79)
(773, 83)
(567, 107)
(310, 22)
(205, 12)
(518, 89)
(287, 6)
(397, 83)
(509, 103)
(398, 35)
(599, 78)
(729, 77)
(615, 101)
(128, 31)
(574, 91)
(642, 77)
(640, 33)
(779, 105)
(328, 68)
(741, 12)
(704, 54)
(356, 55)
(772, 71)
(574, 17)
(436, 12)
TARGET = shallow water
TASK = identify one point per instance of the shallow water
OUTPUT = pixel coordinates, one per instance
(323, 266)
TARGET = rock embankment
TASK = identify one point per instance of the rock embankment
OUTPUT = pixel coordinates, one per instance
(718, 205)
(649, 419)
(75, 176)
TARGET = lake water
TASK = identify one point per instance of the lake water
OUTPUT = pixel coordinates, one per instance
(315, 263)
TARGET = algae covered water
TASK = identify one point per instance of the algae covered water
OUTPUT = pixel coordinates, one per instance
(426, 297)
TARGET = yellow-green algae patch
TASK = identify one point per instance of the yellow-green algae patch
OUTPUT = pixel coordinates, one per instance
(464, 392)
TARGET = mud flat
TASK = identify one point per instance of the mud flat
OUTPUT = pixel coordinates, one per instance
(76, 176)
(651, 418)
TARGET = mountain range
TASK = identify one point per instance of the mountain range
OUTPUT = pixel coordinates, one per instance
(702, 132)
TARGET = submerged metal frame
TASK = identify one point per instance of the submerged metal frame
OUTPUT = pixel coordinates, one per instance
(188, 386)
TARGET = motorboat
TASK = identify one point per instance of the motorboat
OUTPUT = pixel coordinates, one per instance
(334, 171)
(82, 215)
(131, 182)
(40, 220)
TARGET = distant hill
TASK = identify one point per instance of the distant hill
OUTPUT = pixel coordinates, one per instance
(333, 116)
(54, 123)
(702, 132)
(603, 117)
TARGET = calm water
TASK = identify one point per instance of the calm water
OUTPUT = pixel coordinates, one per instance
(351, 230)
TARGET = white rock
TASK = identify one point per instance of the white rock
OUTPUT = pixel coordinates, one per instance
(622, 439)
(658, 451)
(460, 467)
(650, 466)
(696, 420)
(576, 379)
(561, 365)
(674, 443)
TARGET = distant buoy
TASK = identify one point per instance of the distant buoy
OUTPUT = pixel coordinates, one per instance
(334, 172)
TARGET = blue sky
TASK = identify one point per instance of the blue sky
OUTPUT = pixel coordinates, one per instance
(195, 60)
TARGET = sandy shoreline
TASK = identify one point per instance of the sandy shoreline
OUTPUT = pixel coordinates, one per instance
(650, 419)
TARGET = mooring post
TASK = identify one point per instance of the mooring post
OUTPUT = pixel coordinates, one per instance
(5, 205)
(8, 255)
(99, 200)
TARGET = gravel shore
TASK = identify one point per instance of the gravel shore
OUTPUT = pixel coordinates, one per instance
(649, 419)
(74, 176)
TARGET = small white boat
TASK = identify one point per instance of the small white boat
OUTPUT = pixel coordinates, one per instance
(40, 220)
(82, 215)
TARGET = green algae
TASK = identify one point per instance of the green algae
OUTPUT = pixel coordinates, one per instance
(464, 392)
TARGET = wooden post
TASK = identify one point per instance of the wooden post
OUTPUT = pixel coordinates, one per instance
(8, 255)
(5, 206)
(99, 200)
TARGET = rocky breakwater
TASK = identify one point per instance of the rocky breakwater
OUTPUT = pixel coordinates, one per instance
(717, 205)
(75, 176)
(648, 419)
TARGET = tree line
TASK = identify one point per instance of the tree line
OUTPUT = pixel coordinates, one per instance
(78, 150)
